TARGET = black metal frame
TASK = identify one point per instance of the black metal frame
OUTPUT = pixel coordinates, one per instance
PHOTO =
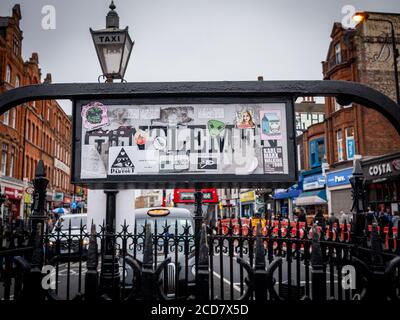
(344, 91)
(187, 180)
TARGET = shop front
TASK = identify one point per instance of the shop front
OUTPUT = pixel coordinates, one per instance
(247, 204)
(285, 200)
(13, 204)
(313, 198)
(339, 191)
(383, 182)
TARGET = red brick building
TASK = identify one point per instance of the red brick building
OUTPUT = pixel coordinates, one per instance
(362, 55)
(34, 131)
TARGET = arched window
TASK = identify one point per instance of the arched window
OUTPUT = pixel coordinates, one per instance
(8, 74)
(17, 82)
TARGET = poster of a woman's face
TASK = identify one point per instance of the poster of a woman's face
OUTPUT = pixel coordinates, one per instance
(245, 119)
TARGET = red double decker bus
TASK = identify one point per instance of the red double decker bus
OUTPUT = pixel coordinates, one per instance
(184, 198)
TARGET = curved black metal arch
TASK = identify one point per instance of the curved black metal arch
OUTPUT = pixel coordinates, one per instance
(344, 91)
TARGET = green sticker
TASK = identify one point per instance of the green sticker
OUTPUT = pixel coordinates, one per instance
(215, 127)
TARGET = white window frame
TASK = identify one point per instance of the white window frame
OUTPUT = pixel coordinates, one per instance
(13, 117)
(338, 53)
(8, 74)
(347, 138)
(6, 118)
(339, 142)
(12, 159)
(17, 82)
(4, 155)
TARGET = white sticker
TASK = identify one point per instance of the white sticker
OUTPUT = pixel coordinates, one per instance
(210, 113)
(146, 161)
(120, 160)
(92, 164)
(148, 113)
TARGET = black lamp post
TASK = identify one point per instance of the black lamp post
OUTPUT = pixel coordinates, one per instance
(359, 195)
(363, 16)
(113, 46)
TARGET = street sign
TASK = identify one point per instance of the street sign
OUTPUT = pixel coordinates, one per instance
(130, 143)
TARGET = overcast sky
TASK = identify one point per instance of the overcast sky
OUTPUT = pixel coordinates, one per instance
(190, 40)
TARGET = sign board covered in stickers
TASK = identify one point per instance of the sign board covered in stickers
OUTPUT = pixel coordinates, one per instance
(128, 143)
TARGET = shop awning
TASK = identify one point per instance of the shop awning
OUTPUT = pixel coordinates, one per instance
(309, 198)
(292, 192)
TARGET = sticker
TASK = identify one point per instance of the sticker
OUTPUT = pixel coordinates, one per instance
(175, 115)
(245, 119)
(215, 127)
(140, 138)
(160, 143)
(270, 125)
(120, 161)
(148, 113)
(207, 163)
(94, 115)
(92, 164)
(146, 161)
(273, 160)
(167, 162)
(174, 162)
(181, 162)
(210, 112)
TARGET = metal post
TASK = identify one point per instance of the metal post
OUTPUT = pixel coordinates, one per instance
(203, 274)
(91, 277)
(318, 277)
(358, 184)
(198, 221)
(110, 279)
(260, 286)
(39, 214)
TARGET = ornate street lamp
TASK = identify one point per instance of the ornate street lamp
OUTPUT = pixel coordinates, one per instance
(363, 16)
(113, 46)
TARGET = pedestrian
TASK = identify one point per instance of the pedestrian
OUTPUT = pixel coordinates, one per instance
(395, 219)
(301, 217)
(344, 217)
(371, 214)
(49, 223)
(319, 218)
(332, 219)
(383, 219)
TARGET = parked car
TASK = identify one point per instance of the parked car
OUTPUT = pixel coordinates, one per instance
(169, 217)
(69, 226)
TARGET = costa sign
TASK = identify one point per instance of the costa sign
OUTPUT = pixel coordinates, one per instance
(384, 168)
(380, 169)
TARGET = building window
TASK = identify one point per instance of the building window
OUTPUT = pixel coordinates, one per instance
(338, 54)
(6, 117)
(4, 153)
(12, 159)
(8, 74)
(339, 142)
(13, 117)
(350, 144)
(33, 133)
(48, 114)
(28, 130)
(17, 82)
(16, 46)
(317, 151)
